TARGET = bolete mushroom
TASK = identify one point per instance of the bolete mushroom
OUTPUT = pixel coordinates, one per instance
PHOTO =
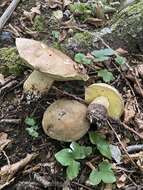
(65, 120)
(104, 101)
(49, 64)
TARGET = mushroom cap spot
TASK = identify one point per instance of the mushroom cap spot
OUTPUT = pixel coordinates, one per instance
(37, 83)
(49, 60)
(65, 120)
(116, 104)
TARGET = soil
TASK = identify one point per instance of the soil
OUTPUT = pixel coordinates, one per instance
(14, 105)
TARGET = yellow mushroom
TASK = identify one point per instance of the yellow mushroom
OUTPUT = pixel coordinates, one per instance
(104, 101)
(65, 120)
(49, 64)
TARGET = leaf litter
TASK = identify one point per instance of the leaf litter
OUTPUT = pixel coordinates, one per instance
(46, 147)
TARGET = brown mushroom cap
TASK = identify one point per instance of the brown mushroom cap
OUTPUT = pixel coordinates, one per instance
(104, 91)
(65, 120)
(48, 60)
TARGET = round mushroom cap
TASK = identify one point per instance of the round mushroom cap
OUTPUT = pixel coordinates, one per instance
(49, 60)
(116, 104)
(65, 120)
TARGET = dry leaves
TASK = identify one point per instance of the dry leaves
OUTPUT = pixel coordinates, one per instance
(7, 172)
(121, 181)
(130, 109)
(33, 12)
(3, 141)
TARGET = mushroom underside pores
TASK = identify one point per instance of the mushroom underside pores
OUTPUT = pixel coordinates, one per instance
(104, 101)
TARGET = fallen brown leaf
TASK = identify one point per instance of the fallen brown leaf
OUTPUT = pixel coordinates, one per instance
(3, 140)
(7, 172)
(130, 110)
(121, 181)
(54, 3)
(33, 12)
(94, 21)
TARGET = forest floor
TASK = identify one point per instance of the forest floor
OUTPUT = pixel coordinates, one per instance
(33, 19)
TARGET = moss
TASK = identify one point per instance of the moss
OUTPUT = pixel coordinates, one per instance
(39, 23)
(10, 62)
(81, 9)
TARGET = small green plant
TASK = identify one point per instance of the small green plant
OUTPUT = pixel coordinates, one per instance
(106, 75)
(104, 55)
(103, 173)
(101, 143)
(82, 59)
(33, 127)
(81, 9)
(56, 35)
(68, 157)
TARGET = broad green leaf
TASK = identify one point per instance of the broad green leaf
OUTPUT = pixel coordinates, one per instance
(108, 177)
(106, 172)
(82, 59)
(95, 177)
(105, 166)
(100, 59)
(80, 152)
(120, 60)
(73, 170)
(30, 121)
(106, 75)
(32, 132)
(64, 157)
(103, 52)
(101, 143)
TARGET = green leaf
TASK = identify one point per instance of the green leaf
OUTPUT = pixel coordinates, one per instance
(82, 59)
(32, 132)
(73, 170)
(94, 177)
(106, 75)
(103, 52)
(101, 143)
(101, 59)
(120, 60)
(80, 152)
(30, 121)
(56, 34)
(106, 172)
(105, 166)
(108, 177)
(64, 157)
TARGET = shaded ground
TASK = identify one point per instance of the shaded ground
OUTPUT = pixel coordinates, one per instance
(13, 105)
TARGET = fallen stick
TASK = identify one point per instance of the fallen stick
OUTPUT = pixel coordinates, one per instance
(8, 12)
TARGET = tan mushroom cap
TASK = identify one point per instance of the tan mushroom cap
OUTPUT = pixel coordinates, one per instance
(116, 104)
(49, 60)
(65, 120)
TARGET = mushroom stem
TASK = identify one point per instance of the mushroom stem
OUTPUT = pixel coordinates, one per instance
(97, 110)
(38, 83)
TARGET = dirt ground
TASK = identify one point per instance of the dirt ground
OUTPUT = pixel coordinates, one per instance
(14, 105)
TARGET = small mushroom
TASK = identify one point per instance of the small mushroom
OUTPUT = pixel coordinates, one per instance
(49, 64)
(65, 120)
(104, 101)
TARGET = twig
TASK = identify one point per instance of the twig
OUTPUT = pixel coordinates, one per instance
(81, 185)
(135, 148)
(132, 130)
(13, 121)
(68, 94)
(8, 12)
(136, 166)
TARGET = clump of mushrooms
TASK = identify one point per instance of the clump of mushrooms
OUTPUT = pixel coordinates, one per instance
(104, 101)
(49, 64)
(65, 120)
